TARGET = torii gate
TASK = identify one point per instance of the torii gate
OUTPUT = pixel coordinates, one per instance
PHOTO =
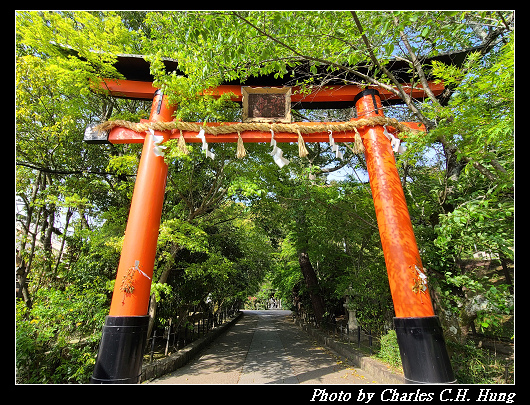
(422, 347)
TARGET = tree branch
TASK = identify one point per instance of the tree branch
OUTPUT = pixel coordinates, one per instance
(490, 41)
(503, 20)
(417, 65)
(487, 44)
(404, 96)
(323, 61)
(334, 169)
(490, 176)
(53, 171)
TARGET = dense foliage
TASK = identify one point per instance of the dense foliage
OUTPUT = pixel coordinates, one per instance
(307, 231)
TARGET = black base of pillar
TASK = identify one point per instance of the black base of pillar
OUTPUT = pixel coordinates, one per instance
(423, 352)
(121, 350)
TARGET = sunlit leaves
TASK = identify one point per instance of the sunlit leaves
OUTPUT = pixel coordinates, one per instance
(482, 108)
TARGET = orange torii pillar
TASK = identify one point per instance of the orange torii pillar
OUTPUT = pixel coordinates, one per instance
(419, 333)
(123, 342)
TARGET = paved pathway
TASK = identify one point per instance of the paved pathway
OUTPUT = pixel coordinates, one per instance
(265, 347)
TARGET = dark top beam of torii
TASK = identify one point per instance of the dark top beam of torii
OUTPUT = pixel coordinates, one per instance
(337, 93)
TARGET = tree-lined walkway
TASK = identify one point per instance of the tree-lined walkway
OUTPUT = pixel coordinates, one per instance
(265, 347)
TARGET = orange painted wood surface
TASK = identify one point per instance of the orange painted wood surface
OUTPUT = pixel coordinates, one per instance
(135, 270)
(395, 228)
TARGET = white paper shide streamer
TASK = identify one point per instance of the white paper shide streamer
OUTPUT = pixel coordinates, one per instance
(334, 146)
(205, 144)
(394, 142)
(158, 149)
(137, 267)
(277, 153)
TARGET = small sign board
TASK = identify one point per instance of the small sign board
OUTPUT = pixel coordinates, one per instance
(266, 104)
(93, 136)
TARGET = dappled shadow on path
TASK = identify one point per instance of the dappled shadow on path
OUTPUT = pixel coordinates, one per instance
(312, 364)
(264, 347)
(221, 362)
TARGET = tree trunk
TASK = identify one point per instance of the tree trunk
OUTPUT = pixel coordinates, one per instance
(152, 314)
(507, 276)
(22, 287)
(69, 214)
(311, 282)
(25, 261)
(175, 248)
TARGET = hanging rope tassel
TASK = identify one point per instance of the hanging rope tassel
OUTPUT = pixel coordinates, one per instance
(241, 152)
(359, 147)
(181, 145)
(302, 150)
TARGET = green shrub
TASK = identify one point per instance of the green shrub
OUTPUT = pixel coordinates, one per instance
(389, 351)
(57, 340)
(474, 365)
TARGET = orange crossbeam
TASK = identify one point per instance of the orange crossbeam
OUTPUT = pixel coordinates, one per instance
(145, 90)
(127, 88)
(124, 135)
